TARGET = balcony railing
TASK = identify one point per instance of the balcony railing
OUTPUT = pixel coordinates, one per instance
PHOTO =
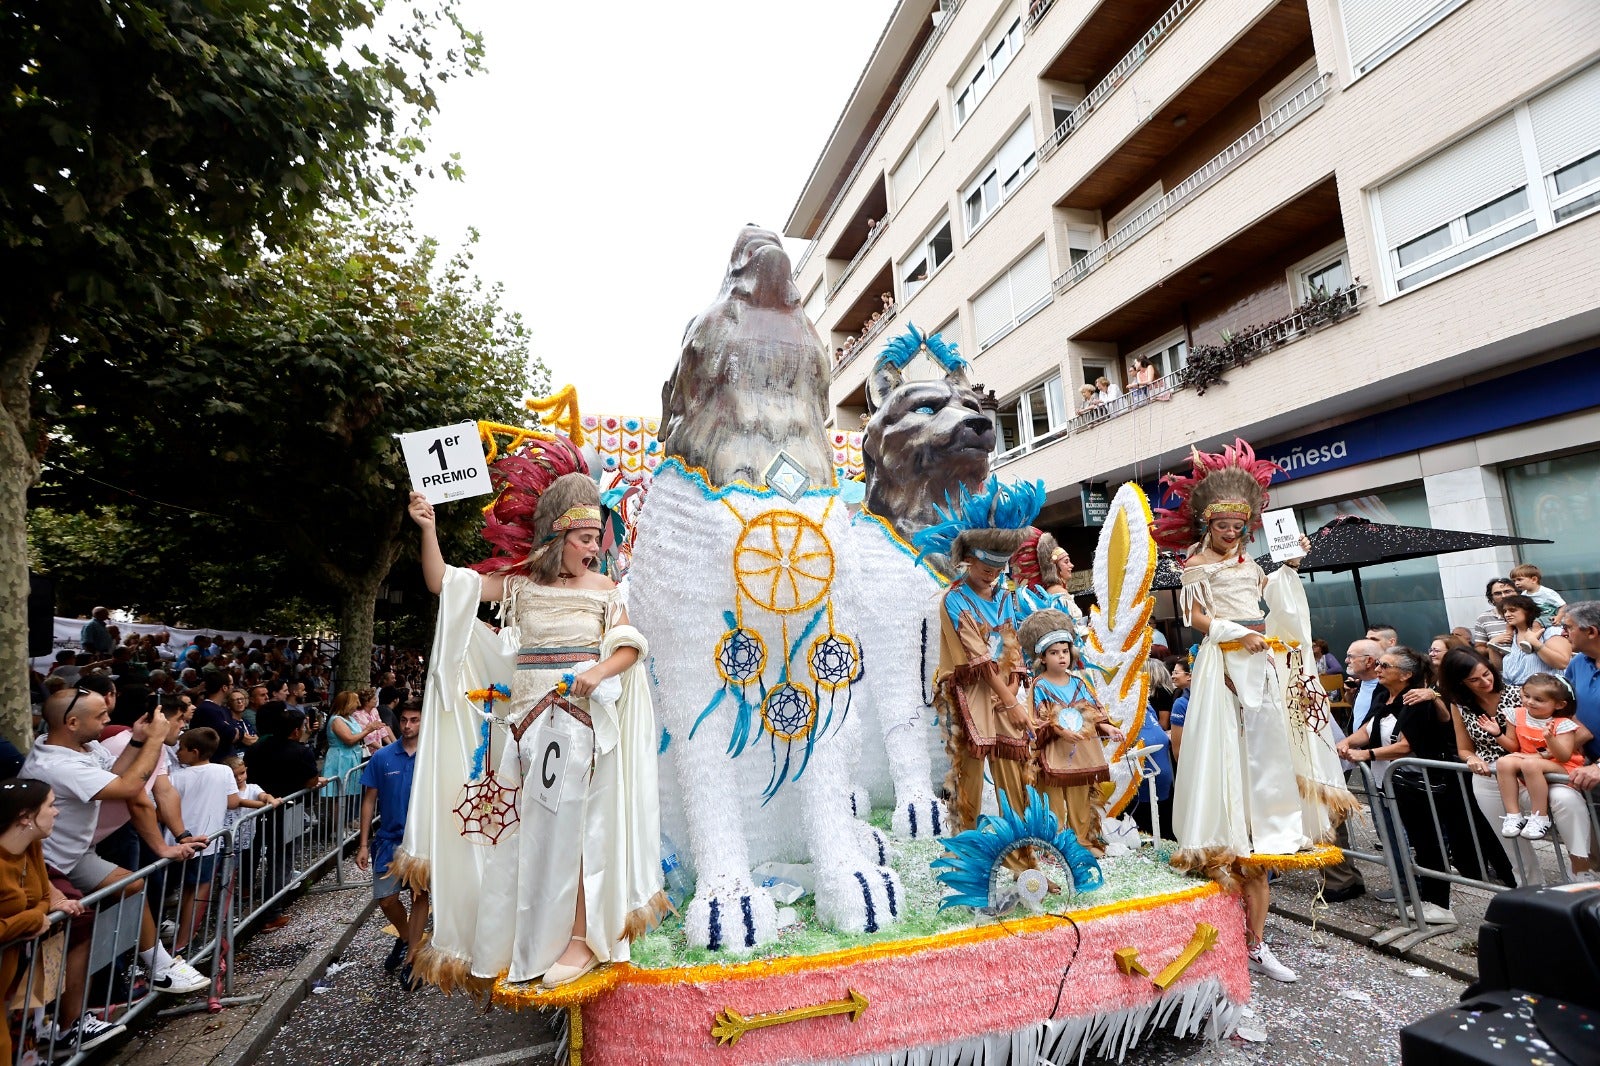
(872, 239)
(1118, 74)
(865, 339)
(1036, 13)
(1261, 133)
(949, 7)
(1305, 320)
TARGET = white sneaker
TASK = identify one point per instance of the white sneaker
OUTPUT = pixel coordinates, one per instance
(1262, 961)
(179, 977)
(1433, 914)
(1511, 825)
(90, 1030)
(1538, 827)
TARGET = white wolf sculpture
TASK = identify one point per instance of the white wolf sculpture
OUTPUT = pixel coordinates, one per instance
(741, 555)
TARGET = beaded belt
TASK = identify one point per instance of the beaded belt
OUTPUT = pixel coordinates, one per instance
(551, 699)
(545, 658)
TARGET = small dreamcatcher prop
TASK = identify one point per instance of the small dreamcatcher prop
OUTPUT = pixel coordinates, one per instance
(784, 566)
(1310, 711)
(487, 808)
(974, 871)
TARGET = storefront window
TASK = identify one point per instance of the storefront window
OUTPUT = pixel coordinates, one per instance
(1407, 595)
(1559, 500)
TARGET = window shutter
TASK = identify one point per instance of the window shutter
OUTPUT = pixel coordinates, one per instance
(1566, 120)
(1369, 25)
(928, 144)
(1030, 279)
(1018, 147)
(1466, 175)
(991, 310)
(903, 178)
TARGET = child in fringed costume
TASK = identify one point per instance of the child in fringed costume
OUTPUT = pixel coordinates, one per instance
(534, 811)
(1259, 781)
(1068, 724)
(979, 683)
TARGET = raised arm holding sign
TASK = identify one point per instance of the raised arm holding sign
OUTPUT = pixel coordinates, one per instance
(446, 463)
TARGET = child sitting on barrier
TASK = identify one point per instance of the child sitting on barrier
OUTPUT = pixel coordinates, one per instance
(1543, 739)
(206, 793)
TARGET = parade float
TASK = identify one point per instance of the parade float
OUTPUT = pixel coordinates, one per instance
(827, 908)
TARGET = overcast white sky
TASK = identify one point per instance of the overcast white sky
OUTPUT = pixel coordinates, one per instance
(613, 151)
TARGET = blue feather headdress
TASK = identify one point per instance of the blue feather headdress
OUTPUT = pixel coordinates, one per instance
(973, 861)
(1000, 512)
(899, 351)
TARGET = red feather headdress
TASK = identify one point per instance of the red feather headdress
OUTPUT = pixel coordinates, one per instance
(521, 477)
(1232, 480)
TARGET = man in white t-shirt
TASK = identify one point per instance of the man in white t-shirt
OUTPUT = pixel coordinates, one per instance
(83, 774)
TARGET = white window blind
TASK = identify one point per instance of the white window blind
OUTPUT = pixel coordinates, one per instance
(1018, 147)
(1468, 174)
(1566, 120)
(1030, 279)
(991, 310)
(916, 162)
(1371, 26)
(1014, 295)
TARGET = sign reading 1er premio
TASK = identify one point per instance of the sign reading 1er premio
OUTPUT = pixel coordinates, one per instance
(446, 463)
(1283, 534)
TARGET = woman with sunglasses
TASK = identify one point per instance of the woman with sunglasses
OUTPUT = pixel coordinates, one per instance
(1408, 718)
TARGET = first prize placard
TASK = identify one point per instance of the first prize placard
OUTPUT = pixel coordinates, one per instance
(446, 463)
(1283, 534)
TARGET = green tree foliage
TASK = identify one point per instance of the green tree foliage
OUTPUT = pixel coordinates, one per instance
(276, 411)
(146, 142)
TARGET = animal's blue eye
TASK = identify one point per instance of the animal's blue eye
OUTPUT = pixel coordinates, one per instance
(924, 410)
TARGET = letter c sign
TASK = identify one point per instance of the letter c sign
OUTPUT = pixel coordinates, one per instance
(546, 778)
(552, 764)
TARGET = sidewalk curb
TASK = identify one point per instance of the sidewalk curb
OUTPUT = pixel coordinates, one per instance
(252, 1041)
(1361, 933)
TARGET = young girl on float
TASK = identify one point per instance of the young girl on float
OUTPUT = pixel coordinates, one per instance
(1543, 739)
(1259, 782)
(1068, 726)
(564, 881)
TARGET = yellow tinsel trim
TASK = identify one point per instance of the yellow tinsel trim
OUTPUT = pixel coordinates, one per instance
(560, 409)
(1319, 856)
(1139, 627)
(1279, 646)
(516, 436)
(590, 986)
(792, 964)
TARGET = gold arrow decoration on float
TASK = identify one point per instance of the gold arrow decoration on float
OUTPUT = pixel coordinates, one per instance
(730, 1025)
(1204, 939)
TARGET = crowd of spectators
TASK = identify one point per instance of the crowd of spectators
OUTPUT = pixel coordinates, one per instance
(148, 749)
(844, 352)
(1511, 697)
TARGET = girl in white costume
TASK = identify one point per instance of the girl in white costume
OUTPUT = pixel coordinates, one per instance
(566, 884)
(1259, 780)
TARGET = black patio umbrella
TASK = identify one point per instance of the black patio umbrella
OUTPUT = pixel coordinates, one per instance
(1350, 542)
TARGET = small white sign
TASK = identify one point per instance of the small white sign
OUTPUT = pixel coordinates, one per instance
(550, 744)
(446, 463)
(1283, 534)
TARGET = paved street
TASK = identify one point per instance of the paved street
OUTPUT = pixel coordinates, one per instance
(1347, 1007)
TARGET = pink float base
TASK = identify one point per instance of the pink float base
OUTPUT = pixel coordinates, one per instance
(927, 993)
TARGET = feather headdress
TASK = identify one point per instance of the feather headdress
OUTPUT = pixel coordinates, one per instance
(1037, 563)
(1231, 483)
(989, 524)
(520, 519)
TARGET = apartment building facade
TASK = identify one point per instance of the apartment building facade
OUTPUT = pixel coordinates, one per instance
(1363, 234)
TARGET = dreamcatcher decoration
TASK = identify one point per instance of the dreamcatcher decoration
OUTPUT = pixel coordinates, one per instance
(783, 568)
(1119, 635)
(488, 808)
(1310, 710)
(973, 868)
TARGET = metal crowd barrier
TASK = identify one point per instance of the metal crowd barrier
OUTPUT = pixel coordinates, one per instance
(1445, 791)
(246, 874)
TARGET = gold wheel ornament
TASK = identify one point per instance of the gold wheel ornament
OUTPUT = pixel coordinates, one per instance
(783, 562)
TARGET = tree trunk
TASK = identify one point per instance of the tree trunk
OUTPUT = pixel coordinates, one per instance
(19, 465)
(357, 614)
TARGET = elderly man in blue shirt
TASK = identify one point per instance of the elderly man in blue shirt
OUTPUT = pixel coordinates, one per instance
(386, 789)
